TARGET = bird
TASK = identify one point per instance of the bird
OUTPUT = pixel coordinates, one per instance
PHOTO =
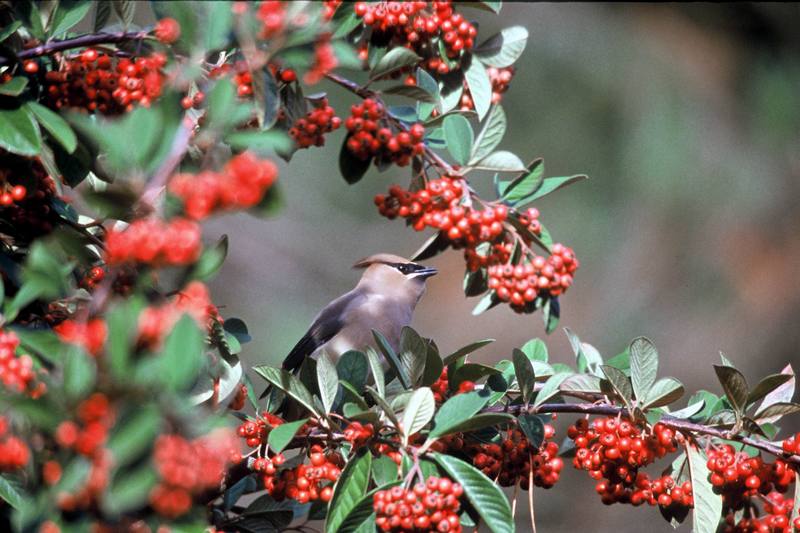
(383, 300)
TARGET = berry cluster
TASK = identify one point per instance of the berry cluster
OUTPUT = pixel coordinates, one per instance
(95, 81)
(500, 78)
(429, 506)
(156, 321)
(14, 453)
(664, 491)
(792, 445)
(255, 432)
(441, 387)
(420, 26)
(310, 130)
(87, 437)
(776, 518)
(26, 194)
(357, 434)
(739, 477)
(613, 450)
(11, 194)
(371, 136)
(16, 371)
(272, 15)
(329, 8)
(188, 468)
(154, 242)
(521, 284)
(167, 30)
(241, 184)
(90, 335)
(92, 278)
(89, 434)
(310, 482)
(324, 60)
(242, 77)
(511, 461)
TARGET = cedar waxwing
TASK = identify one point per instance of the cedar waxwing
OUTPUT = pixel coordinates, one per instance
(383, 300)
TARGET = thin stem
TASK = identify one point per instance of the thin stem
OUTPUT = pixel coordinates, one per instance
(78, 42)
(530, 494)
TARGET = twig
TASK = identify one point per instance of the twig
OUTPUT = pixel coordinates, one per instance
(180, 143)
(77, 42)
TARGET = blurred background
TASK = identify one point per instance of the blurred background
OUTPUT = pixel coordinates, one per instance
(687, 120)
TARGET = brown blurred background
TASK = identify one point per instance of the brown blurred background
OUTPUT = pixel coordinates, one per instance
(687, 120)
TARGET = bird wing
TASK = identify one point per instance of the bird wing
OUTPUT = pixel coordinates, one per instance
(326, 325)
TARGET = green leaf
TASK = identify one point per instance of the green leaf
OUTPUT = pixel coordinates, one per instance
(413, 354)
(14, 86)
(491, 134)
(182, 356)
(533, 427)
(457, 410)
(376, 368)
(525, 375)
(480, 87)
(459, 137)
(348, 491)
(43, 342)
(328, 381)
(486, 303)
(501, 161)
(707, 504)
(433, 366)
(384, 470)
(517, 190)
(481, 421)
(351, 167)
(551, 185)
(620, 383)
(10, 494)
(217, 27)
(20, 133)
(352, 367)
(280, 436)
(469, 372)
(784, 393)
(766, 386)
(102, 14)
(395, 59)
(503, 49)
(644, 366)
(79, 373)
(466, 350)
(68, 14)
(778, 409)
(134, 435)
(690, 410)
(536, 350)
(411, 91)
(735, 386)
(551, 387)
(9, 30)
(384, 405)
(485, 496)
(129, 492)
(418, 413)
(579, 383)
(211, 260)
(55, 125)
(260, 142)
(392, 359)
(290, 384)
(664, 392)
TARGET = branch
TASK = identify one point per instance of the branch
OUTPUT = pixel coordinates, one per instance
(677, 424)
(77, 42)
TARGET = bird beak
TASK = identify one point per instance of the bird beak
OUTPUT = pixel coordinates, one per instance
(425, 272)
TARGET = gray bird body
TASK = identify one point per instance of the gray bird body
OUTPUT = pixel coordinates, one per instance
(384, 300)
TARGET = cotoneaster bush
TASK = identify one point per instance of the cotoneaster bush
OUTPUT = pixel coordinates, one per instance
(123, 400)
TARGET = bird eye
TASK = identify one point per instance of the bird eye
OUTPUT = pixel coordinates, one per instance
(405, 269)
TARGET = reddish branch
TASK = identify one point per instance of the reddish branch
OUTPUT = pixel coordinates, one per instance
(78, 42)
